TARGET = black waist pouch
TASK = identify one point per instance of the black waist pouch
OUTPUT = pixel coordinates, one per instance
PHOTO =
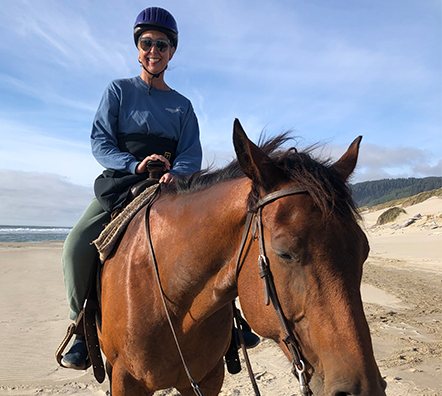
(112, 187)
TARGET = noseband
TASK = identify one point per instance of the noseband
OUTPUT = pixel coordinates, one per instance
(254, 216)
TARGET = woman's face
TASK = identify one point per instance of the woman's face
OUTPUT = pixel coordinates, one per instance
(154, 60)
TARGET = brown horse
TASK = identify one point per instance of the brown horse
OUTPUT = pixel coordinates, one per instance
(315, 250)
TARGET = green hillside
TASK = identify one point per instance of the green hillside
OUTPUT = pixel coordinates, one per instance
(377, 192)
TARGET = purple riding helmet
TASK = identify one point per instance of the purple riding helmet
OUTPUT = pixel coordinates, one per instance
(156, 18)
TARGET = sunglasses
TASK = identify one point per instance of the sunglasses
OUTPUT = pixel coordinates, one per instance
(146, 44)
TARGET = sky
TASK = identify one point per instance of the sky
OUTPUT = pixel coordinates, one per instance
(328, 70)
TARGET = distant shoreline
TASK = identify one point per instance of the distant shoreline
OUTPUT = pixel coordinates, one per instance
(27, 233)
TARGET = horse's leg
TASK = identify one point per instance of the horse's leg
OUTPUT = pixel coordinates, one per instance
(211, 384)
(123, 384)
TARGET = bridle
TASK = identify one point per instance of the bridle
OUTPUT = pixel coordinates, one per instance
(254, 216)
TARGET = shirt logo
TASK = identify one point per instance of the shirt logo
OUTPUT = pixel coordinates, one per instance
(177, 110)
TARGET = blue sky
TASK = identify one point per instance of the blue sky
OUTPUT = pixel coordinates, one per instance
(329, 70)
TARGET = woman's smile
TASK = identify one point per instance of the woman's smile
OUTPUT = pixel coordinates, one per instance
(154, 60)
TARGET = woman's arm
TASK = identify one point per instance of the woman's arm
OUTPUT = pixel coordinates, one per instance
(104, 135)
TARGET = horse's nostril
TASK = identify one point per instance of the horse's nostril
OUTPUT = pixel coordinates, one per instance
(341, 394)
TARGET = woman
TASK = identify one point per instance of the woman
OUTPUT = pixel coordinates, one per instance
(138, 120)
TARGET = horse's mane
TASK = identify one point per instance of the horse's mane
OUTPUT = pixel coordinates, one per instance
(329, 192)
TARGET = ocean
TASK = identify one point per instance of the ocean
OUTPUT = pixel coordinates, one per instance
(33, 233)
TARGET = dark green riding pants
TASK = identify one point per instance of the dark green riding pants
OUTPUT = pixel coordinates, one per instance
(79, 255)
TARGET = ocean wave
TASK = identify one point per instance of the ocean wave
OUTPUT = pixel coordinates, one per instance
(28, 230)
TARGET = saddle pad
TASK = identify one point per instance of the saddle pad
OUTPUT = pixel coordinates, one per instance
(109, 236)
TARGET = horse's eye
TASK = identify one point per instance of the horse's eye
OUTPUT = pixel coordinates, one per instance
(286, 256)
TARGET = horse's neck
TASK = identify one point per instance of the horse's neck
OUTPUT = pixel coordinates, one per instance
(218, 216)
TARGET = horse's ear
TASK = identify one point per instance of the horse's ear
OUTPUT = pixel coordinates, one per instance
(254, 162)
(347, 163)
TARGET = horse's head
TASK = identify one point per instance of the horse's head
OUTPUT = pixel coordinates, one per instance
(315, 251)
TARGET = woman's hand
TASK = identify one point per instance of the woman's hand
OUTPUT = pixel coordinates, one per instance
(142, 166)
(167, 178)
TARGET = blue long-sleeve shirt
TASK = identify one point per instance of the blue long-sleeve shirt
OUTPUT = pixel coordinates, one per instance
(126, 108)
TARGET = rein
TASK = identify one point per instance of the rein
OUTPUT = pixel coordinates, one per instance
(254, 216)
(193, 383)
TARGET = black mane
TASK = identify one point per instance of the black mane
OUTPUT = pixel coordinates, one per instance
(330, 193)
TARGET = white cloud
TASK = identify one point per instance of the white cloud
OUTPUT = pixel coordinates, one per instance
(31, 198)
(426, 169)
(380, 162)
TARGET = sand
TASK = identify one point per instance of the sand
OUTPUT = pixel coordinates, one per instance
(402, 293)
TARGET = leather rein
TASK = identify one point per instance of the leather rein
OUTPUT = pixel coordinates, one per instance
(254, 216)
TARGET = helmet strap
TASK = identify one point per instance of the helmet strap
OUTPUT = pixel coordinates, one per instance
(157, 75)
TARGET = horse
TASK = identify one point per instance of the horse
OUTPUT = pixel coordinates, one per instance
(310, 240)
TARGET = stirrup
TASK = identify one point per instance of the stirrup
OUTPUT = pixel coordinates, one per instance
(74, 328)
(59, 352)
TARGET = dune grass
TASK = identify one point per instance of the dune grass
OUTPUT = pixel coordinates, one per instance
(405, 202)
(389, 215)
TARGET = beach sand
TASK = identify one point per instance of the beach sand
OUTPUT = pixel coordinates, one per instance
(402, 293)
